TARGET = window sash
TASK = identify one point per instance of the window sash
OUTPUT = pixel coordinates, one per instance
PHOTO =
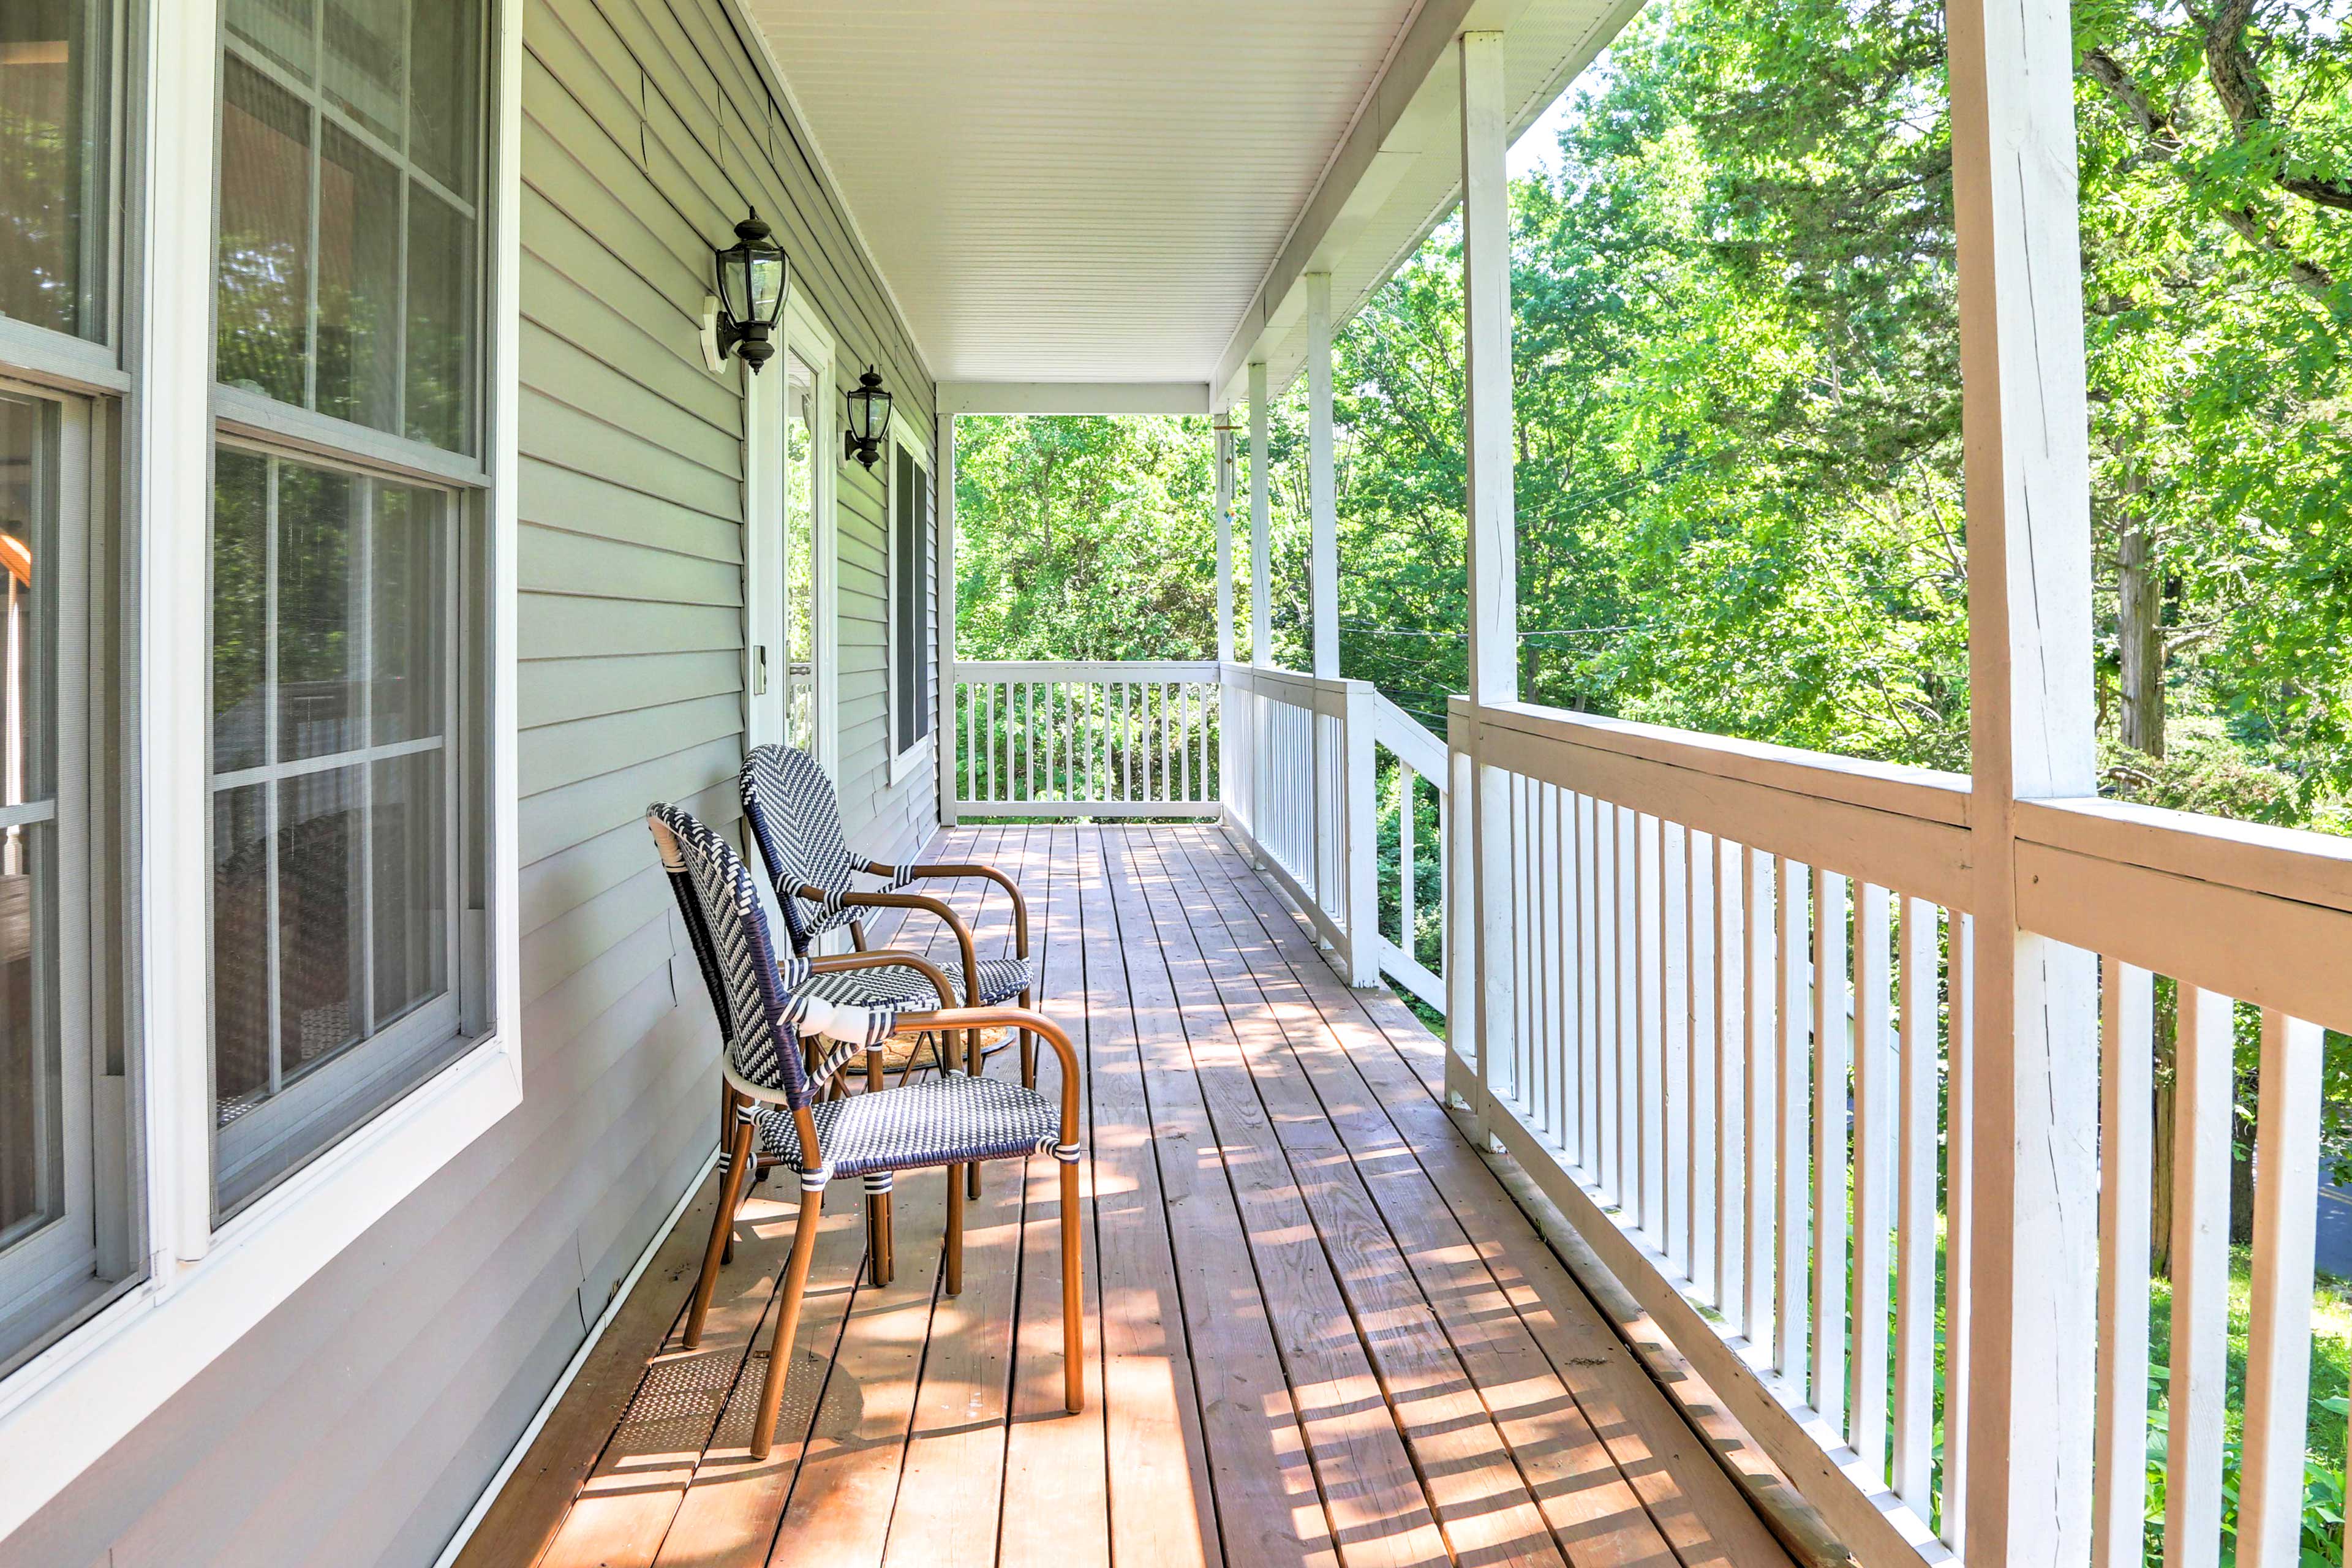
(304, 423)
(53, 1267)
(326, 1100)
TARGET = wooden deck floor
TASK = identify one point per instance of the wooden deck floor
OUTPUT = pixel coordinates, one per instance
(1319, 1330)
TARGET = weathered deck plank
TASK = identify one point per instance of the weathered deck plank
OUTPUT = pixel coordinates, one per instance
(1583, 1500)
(1700, 1512)
(1318, 1330)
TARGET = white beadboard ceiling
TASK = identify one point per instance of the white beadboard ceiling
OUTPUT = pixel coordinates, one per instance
(1127, 191)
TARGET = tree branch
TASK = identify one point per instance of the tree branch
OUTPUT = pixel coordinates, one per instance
(2245, 92)
(2245, 98)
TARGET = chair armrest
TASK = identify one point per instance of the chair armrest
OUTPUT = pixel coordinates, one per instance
(884, 958)
(930, 906)
(749, 1090)
(1019, 1018)
(959, 870)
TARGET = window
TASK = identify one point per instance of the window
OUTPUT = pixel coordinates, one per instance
(910, 576)
(55, 143)
(63, 1129)
(66, 1115)
(342, 807)
(350, 252)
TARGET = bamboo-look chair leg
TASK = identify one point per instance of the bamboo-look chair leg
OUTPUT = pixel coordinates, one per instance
(955, 1232)
(1074, 1322)
(726, 1140)
(1028, 1045)
(788, 1322)
(878, 1240)
(722, 1232)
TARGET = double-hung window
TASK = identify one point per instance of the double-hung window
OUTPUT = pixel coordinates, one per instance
(347, 515)
(67, 1142)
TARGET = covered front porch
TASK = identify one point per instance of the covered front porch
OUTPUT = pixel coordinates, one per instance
(1319, 1327)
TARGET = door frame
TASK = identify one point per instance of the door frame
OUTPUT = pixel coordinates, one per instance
(804, 334)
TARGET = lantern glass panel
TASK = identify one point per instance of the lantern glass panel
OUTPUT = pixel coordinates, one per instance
(767, 284)
(734, 283)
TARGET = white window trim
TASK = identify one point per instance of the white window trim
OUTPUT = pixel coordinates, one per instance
(207, 1285)
(903, 765)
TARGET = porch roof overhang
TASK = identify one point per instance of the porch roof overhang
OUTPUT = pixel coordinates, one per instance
(1080, 207)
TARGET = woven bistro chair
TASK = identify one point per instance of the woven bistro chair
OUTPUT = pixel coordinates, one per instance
(796, 821)
(877, 1212)
(941, 1123)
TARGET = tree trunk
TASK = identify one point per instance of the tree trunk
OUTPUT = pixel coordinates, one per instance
(2139, 611)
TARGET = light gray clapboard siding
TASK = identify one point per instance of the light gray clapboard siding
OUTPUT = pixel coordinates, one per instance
(358, 1424)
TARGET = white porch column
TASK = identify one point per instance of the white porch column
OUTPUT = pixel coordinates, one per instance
(1333, 821)
(1225, 460)
(1322, 506)
(944, 469)
(1493, 555)
(1261, 593)
(1260, 525)
(2032, 1068)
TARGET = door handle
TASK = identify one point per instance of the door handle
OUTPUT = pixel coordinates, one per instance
(759, 670)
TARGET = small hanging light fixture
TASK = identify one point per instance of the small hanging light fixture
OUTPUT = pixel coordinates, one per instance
(751, 284)
(869, 419)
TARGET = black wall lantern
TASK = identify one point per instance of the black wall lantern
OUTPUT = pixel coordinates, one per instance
(870, 420)
(752, 285)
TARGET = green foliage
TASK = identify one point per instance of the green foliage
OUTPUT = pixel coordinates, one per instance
(1084, 538)
(2324, 1453)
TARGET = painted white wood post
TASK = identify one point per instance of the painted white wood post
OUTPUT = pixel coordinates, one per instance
(1261, 589)
(1225, 433)
(1323, 506)
(944, 465)
(1492, 548)
(2033, 1073)
(1360, 865)
(1222, 423)
(1333, 817)
(1261, 522)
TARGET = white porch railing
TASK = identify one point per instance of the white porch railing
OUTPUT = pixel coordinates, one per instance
(1737, 1048)
(1304, 793)
(1135, 740)
(1293, 765)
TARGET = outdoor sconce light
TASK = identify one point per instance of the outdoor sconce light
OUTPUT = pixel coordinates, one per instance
(870, 420)
(751, 283)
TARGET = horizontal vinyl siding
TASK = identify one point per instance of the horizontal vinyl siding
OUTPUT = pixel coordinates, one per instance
(360, 1421)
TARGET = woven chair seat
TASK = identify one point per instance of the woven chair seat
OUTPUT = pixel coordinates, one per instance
(906, 990)
(938, 1121)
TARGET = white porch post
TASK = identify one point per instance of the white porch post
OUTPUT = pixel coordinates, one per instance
(1225, 460)
(944, 465)
(1260, 525)
(1493, 550)
(1230, 750)
(1333, 820)
(1261, 589)
(1322, 506)
(2033, 1066)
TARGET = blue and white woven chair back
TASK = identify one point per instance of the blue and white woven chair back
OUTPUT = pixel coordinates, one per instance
(796, 821)
(748, 988)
